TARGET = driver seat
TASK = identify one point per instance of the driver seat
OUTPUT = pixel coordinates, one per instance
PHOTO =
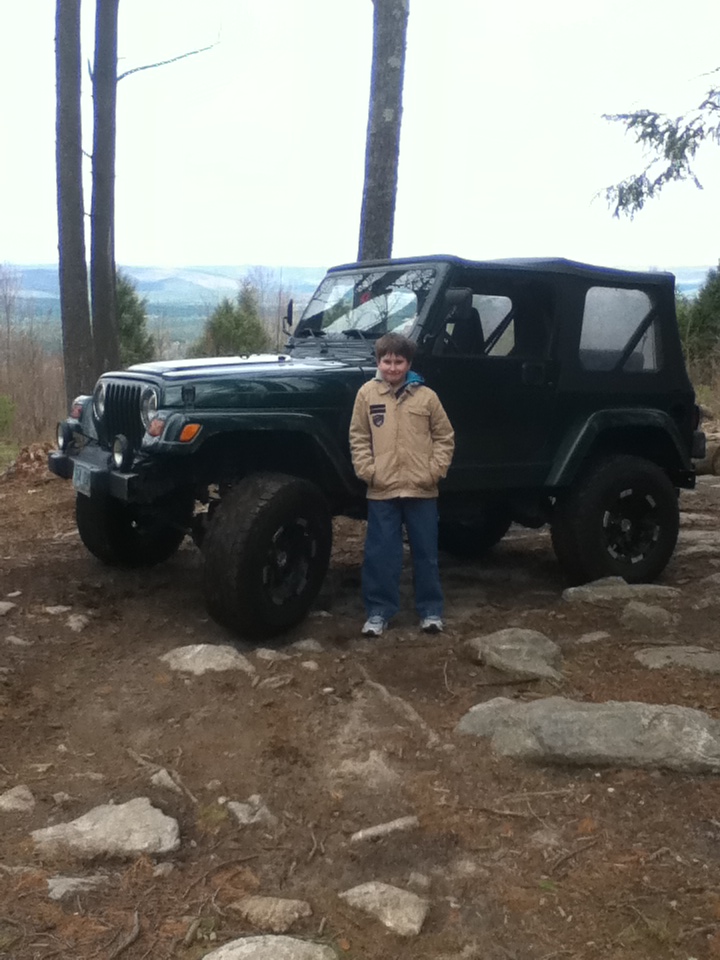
(468, 334)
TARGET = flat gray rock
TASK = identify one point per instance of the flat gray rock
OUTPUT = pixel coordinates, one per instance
(271, 913)
(523, 653)
(647, 617)
(696, 658)
(5, 607)
(399, 910)
(113, 830)
(17, 800)
(199, 658)
(59, 887)
(610, 589)
(271, 948)
(556, 730)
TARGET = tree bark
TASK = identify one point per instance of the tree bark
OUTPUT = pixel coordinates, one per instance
(74, 306)
(102, 245)
(382, 145)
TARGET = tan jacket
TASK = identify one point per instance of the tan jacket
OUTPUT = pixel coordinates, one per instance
(401, 446)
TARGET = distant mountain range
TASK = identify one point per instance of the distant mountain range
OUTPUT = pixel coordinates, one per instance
(186, 285)
(179, 299)
(206, 285)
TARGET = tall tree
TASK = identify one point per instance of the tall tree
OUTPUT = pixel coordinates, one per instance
(74, 306)
(382, 145)
(671, 144)
(102, 215)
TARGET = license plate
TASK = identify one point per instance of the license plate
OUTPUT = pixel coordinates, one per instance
(82, 478)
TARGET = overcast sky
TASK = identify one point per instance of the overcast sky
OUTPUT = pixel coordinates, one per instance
(253, 152)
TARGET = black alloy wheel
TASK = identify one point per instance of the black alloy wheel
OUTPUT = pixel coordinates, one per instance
(621, 519)
(266, 551)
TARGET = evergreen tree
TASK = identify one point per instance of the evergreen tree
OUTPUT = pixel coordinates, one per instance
(699, 323)
(136, 344)
(234, 327)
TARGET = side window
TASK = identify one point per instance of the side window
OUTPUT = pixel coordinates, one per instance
(497, 323)
(615, 320)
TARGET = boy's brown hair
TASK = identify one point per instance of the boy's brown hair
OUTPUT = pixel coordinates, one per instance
(397, 344)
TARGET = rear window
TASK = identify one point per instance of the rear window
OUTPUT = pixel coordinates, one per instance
(618, 323)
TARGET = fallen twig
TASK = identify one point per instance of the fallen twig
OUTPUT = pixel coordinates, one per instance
(573, 853)
(128, 940)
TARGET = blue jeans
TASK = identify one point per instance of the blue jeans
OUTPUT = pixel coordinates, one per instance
(384, 556)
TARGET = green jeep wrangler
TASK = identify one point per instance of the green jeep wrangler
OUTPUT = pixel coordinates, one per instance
(565, 384)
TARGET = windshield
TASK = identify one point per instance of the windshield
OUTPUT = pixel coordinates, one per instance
(368, 304)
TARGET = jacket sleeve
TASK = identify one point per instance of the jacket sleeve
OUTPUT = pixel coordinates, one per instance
(443, 439)
(361, 440)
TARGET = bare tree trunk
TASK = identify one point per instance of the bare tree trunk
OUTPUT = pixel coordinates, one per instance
(102, 244)
(74, 307)
(382, 146)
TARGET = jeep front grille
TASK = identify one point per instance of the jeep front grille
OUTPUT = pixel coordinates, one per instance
(122, 413)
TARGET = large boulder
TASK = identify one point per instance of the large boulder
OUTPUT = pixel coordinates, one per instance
(556, 730)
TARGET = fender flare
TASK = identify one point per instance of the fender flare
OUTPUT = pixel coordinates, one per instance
(578, 442)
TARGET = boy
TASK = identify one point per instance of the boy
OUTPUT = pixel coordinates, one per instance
(402, 443)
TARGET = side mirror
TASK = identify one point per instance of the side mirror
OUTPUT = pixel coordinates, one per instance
(460, 300)
(289, 314)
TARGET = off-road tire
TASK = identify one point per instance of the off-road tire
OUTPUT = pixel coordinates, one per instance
(266, 549)
(133, 535)
(471, 540)
(620, 519)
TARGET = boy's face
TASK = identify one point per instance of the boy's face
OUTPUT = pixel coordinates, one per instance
(393, 369)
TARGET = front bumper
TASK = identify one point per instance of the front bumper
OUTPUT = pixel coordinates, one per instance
(94, 475)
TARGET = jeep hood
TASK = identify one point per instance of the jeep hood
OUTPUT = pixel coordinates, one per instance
(261, 364)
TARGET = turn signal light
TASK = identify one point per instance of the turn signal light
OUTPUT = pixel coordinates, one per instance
(189, 432)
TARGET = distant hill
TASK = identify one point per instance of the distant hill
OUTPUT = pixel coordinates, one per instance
(198, 285)
(181, 298)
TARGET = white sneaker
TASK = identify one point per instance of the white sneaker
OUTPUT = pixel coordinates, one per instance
(431, 625)
(374, 627)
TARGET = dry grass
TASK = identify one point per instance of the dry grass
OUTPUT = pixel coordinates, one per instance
(32, 378)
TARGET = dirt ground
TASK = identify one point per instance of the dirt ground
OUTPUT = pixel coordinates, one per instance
(518, 861)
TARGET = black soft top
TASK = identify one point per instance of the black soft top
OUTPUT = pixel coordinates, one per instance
(526, 265)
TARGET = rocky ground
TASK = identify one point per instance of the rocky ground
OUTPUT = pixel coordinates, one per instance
(526, 830)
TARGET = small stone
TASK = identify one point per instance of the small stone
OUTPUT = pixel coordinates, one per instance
(59, 887)
(77, 622)
(307, 646)
(17, 800)
(310, 665)
(271, 656)
(200, 658)
(646, 617)
(253, 810)
(61, 798)
(17, 641)
(5, 607)
(399, 910)
(272, 913)
(162, 778)
(270, 947)
(57, 610)
(164, 869)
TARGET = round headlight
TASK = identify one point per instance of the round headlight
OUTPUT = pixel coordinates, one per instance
(148, 406)
(99, 399)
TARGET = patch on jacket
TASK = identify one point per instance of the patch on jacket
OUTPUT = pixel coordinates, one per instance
(377, 413)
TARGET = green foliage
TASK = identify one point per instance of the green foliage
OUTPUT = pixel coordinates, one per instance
(699, 323)
(136, 344)
(7, 414)
(234, 327)
(672, 144)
